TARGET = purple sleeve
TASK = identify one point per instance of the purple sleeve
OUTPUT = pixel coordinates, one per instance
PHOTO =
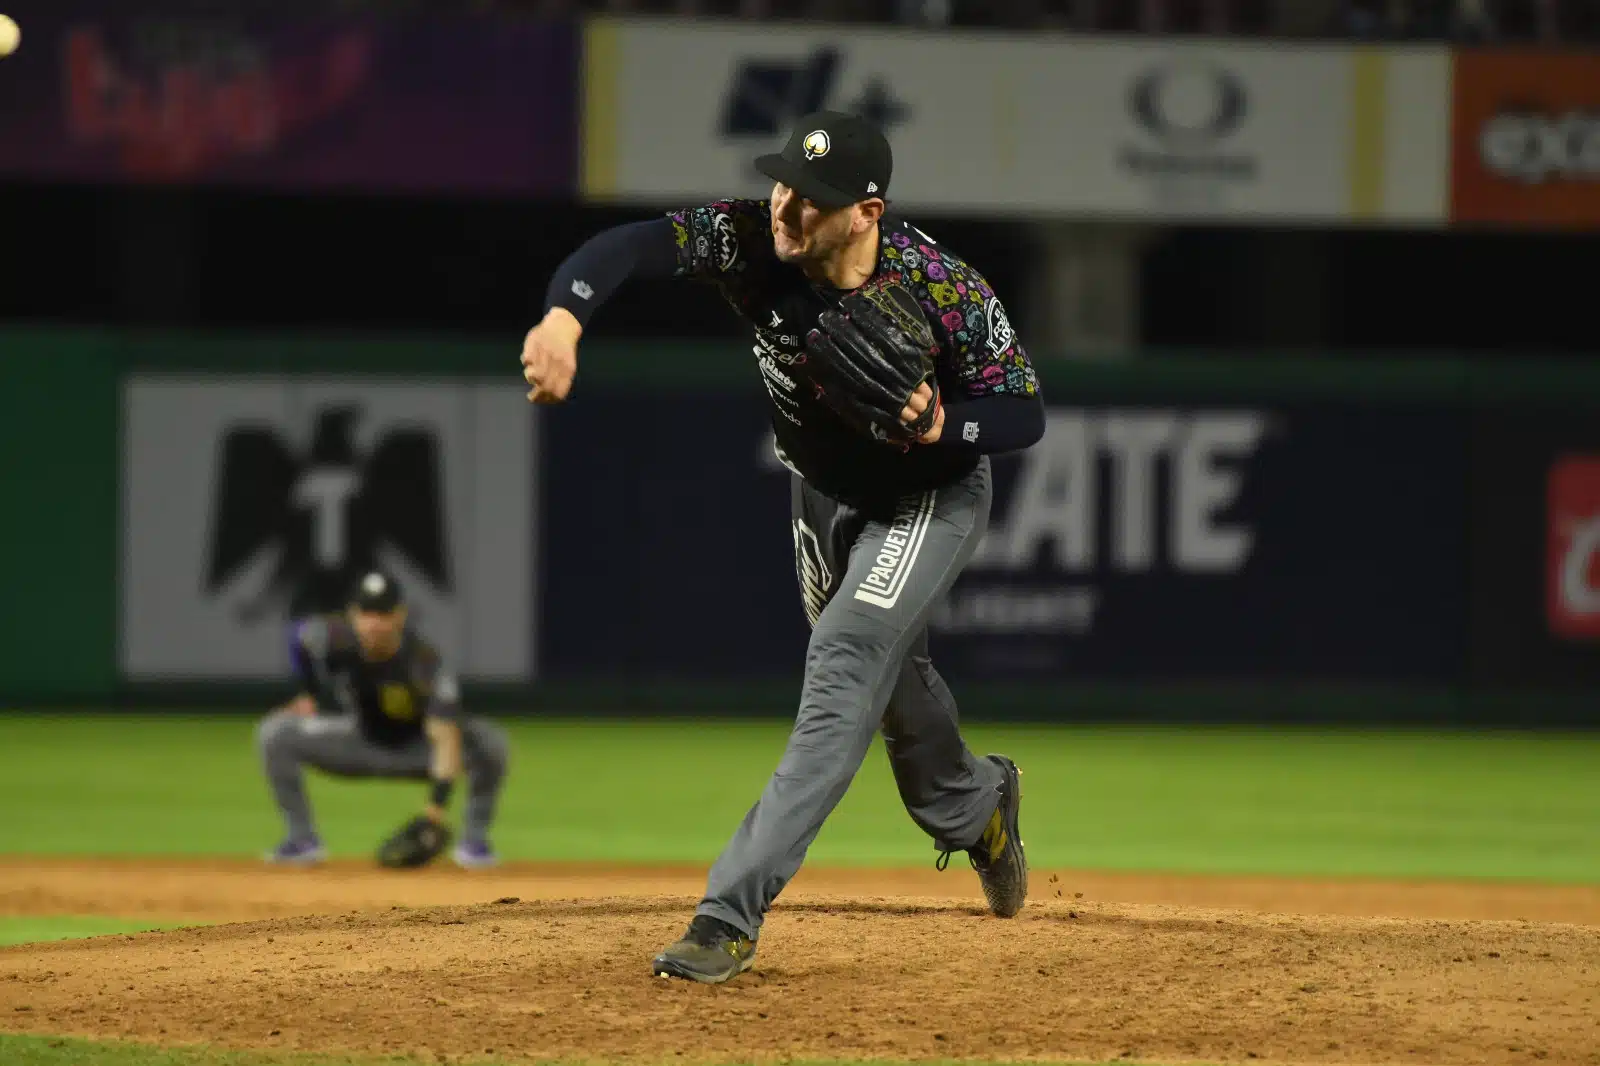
(300, 664)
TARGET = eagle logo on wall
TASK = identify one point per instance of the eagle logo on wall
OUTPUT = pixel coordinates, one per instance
(326, 513)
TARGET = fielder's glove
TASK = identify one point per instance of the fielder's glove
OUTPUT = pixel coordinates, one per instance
(869, 356)
(416, 843)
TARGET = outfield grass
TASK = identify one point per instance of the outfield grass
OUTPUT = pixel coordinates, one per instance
(1226, 800)
(53, 1051)
(19, 930)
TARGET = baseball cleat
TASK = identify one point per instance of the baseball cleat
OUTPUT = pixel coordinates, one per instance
(474, 855)
(308, 852)
(711, 952)
(998, 856)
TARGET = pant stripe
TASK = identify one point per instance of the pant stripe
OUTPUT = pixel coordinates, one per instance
(921, 518)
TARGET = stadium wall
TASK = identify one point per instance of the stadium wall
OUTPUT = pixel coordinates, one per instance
(1291, 538)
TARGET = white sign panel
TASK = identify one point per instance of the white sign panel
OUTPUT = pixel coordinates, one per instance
(247, 499)
(994, 123)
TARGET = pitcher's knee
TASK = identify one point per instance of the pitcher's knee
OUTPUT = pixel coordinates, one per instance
(847, 655)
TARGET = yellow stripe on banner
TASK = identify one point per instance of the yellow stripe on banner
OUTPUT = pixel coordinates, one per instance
(1369, 112)
(600, 108)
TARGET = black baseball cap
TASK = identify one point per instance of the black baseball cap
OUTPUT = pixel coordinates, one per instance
(833, 159)
(377, 591)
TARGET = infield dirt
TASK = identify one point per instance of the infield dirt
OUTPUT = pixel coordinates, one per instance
(853, 964)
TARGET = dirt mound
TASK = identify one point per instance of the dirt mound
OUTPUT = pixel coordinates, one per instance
(224, 890)
(837, 978)
(854, 963)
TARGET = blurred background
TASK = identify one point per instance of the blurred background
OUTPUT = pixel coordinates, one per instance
(1308, 282)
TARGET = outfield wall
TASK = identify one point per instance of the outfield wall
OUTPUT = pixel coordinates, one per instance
(1205, 538)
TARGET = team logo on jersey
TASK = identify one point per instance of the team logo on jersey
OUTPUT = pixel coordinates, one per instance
(1001, 336)
(817, 144)
(396, 701)
(811, 570)
(727, 242)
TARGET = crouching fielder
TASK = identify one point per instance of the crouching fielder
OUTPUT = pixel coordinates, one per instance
(376, 701)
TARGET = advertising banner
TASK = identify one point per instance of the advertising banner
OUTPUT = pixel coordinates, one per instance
(105, 92)
(1146, 543)
(1536, 549)
(1007, 124)
(1526, 139)
(1220, 543)
(247, 500)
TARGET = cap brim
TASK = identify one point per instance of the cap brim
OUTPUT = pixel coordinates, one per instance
(803, 182)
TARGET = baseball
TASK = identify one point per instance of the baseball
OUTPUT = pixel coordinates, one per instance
(10, 35)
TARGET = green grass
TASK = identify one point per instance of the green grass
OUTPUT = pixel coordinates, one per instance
(55, 1051)
(1234, 800)
(16, 930)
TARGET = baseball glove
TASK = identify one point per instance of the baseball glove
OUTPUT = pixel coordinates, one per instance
(870, 354)
(416, 843)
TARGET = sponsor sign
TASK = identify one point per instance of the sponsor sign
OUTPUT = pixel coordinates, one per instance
(1142, 543)
(104, 91)
(1526, 139)
(1004, 124)
(1220, 543)
(1572, 564)
(249, 500)
(1535, 564)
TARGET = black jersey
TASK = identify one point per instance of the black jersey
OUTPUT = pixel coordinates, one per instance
(389, 697)
(729, 243)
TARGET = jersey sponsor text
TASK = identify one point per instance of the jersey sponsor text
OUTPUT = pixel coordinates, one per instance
(895, 558)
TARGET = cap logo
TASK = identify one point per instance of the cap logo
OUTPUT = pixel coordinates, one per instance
(373, 585)
(816, 144)
(872, 186)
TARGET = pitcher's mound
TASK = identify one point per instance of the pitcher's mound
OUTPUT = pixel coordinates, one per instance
(837, 978)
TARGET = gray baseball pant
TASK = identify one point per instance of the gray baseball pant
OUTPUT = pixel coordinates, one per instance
(869, 584)
(333, 743)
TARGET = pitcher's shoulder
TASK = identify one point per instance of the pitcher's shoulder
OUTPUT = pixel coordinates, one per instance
(981, 349)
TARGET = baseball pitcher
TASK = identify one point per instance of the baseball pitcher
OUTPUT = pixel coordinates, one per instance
(892, 374)
(392, 711)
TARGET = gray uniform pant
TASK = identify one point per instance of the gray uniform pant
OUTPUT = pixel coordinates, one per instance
(869, 586)
(333, 744)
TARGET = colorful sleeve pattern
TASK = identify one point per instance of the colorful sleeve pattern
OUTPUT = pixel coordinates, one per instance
(984, 354)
